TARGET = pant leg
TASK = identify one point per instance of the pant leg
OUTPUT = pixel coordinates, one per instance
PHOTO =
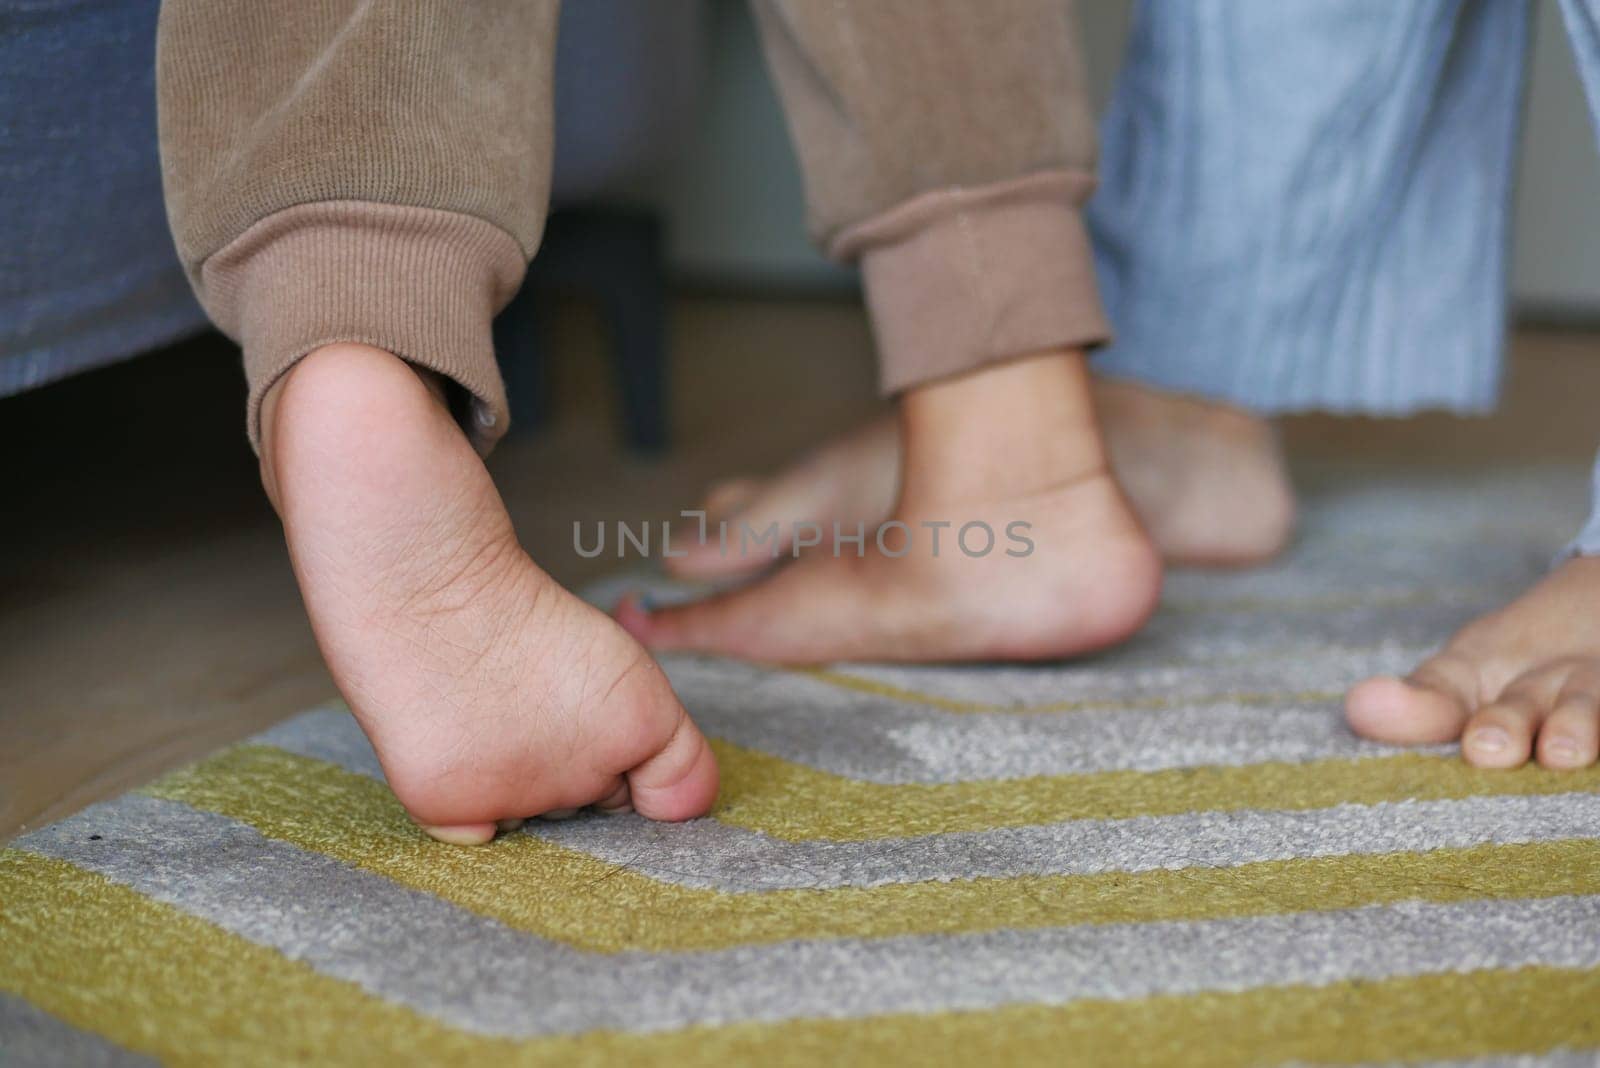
(1587, 543)
(337, 170)
(1305, 205)
(947, 146)
(1583, 28)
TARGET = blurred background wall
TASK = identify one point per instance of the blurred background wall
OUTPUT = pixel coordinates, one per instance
(733, 202)
(1556, 264)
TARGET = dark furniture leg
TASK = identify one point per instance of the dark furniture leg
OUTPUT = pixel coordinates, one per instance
(613, 256)
(521, 355)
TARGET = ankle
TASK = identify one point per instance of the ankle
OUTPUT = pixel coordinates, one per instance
(1014, 429)
(1138, 405)
(329, 385)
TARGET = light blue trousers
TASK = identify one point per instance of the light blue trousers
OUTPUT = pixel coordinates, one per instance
(1306, 205)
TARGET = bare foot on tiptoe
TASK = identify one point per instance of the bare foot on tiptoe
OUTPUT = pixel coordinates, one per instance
(489, 692)
(1520, 683)
(1207, 479)
(1039, 556)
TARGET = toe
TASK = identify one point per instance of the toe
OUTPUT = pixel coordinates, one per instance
(635, 615)
(757, 535)
(1570, 737)
(558, 814)
(709, 548)
(800, 614)
(728, 498)
(680, 781)
(463, 834)
(1500, 735)
(1430, 705)
(617, 802)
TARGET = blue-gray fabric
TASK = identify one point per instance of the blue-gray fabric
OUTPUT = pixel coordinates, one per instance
(1307, 206)
(1587, 543)
(1583, 27)
(88, 273)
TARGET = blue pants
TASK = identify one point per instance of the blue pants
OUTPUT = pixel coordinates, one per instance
(1307, 205)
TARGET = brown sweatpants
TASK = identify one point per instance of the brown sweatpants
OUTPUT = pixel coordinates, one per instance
(349, 170)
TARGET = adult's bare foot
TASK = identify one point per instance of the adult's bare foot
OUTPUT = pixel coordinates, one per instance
(1208, 480)
(489, 693)
(1520, 682)
(1038, 554)
(851, 480)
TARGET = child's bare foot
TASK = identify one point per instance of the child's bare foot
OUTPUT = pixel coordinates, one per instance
(1207, 479)
(1522, 681)
(1011, 450)
(489, 692)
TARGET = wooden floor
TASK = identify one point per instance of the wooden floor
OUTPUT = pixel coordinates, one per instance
(147, 611)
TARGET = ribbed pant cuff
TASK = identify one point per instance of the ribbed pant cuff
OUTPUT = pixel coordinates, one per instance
(421, 283)
(959, 278)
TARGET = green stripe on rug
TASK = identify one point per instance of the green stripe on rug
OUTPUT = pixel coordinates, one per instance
(791, 801)
(151, 978)
(565, 895)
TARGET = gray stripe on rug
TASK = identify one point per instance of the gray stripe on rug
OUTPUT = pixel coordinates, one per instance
(882, 740)
(33, 1038)
(885, 740)
(1017, 689)
(712, 855)
(1560, 1058)
(1179, 637)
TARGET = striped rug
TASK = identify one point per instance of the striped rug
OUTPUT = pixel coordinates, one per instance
(1170, 854)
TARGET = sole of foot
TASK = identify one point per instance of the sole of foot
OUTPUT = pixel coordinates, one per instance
(1520, 683)
(490, 693)
(1010, 539)
(1208, 481)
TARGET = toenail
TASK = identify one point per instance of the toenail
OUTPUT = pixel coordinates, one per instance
(1489, 739)
(559, 814)
(456, 836)
(1564, 750)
